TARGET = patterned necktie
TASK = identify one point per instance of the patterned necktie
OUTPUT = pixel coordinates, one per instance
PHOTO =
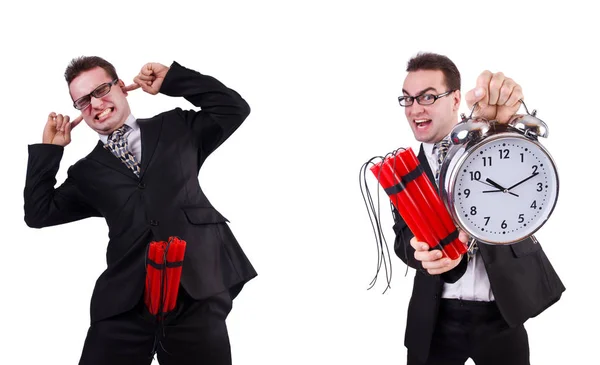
(117, 144)
(440, 149)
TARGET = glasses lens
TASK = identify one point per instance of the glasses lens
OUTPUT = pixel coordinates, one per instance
(81, 103)
(405, 100)
(101, 90)
(426, 99)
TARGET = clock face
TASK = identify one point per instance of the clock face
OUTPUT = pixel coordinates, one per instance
(505, 189)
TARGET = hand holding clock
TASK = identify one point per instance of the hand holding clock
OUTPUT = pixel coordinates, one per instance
(497, 97)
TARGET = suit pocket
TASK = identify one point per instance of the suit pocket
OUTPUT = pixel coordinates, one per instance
(203, 215)
(526, 247)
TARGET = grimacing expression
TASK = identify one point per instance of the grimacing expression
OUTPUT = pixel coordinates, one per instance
(430, 123)
(107, 113)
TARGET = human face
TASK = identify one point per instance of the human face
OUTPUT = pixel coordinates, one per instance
(430, 123)
(107, 113)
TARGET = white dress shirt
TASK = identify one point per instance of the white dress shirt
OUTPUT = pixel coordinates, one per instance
(134, 138)
(474, 284)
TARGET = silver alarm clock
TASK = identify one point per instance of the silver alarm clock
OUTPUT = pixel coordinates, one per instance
(498, 182)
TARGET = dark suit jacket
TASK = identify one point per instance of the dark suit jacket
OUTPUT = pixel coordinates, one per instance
(521, 277)
(166, 200)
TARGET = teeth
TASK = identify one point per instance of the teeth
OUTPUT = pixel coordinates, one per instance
(418, 121)
(105, 112)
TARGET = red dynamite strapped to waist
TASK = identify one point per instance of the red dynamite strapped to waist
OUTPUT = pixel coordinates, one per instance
(415, 198)
(163, 275)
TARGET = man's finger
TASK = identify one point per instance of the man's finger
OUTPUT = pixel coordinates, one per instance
(437, 264)
(495, 85)
(76, 121)
(428, 256)
(474, 96)
(515, 97)
(130, 87)
(146, 77)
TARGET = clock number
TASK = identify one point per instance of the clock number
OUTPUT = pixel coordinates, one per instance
(473, 210)
(467, 192)
(475, 175)
(487, 220)
(521, 218)
(504, 225)
(540, 187)
(503, 153)
(522, 157)
(534, 167)
(487, 160)
(533, 205)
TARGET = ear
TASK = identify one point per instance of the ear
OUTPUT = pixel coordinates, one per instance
(122, 86)
(455, 100)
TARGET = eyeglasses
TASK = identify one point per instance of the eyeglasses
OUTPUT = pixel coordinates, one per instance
(98, 92)
(423, 99)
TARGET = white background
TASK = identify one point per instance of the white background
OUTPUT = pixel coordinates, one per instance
(322, 79)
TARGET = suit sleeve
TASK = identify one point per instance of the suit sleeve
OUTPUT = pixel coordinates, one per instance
(222, 109)
(406, 252)
(44, 205)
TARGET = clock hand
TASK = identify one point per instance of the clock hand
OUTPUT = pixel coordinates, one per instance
(497, 191)
(494, 191)
(495, 184)
(484, 183)
(525, 179)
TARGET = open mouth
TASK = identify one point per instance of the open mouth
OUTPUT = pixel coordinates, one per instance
(422, 123)
(103, 114)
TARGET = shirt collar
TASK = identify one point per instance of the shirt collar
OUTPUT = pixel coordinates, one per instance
(130, 121)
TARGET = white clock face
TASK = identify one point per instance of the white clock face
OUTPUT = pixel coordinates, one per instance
(505, 190)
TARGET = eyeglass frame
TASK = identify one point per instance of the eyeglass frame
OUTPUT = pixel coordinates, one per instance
(110, 85)
(413, 98)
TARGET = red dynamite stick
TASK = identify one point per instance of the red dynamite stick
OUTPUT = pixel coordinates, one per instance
(149, 272)
(430, 194)
(434, 223)
(403, 202)
(158, 277)
(420, 216)
(154, 278)
(175, 254)
(387, 180)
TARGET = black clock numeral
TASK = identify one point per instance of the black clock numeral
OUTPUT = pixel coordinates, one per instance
(504, 153)
(534, 167)
(473, 210)
(467, 192)
(521, 218)
(522, 157)
(533, 205)
(487, 220)
(475, 175)
(504, 225)
(487, 161)
(540, 187)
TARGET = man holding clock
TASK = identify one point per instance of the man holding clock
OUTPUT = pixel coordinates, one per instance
(474, 306)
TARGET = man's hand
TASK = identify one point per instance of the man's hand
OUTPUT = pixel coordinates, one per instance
(432, 261)
(496, 95)
(150, 78)
(58, 129)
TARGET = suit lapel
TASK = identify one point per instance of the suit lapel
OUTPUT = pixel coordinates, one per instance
(150, 130)
(106, 158)
(425, 165)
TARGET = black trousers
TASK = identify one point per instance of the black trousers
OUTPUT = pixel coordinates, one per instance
(476, 330)
(194, 333)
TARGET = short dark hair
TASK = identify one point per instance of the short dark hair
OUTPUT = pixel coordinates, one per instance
(434, 61)
(86, 63)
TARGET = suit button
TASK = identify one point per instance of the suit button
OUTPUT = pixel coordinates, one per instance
(153, 222)
(141, 185)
